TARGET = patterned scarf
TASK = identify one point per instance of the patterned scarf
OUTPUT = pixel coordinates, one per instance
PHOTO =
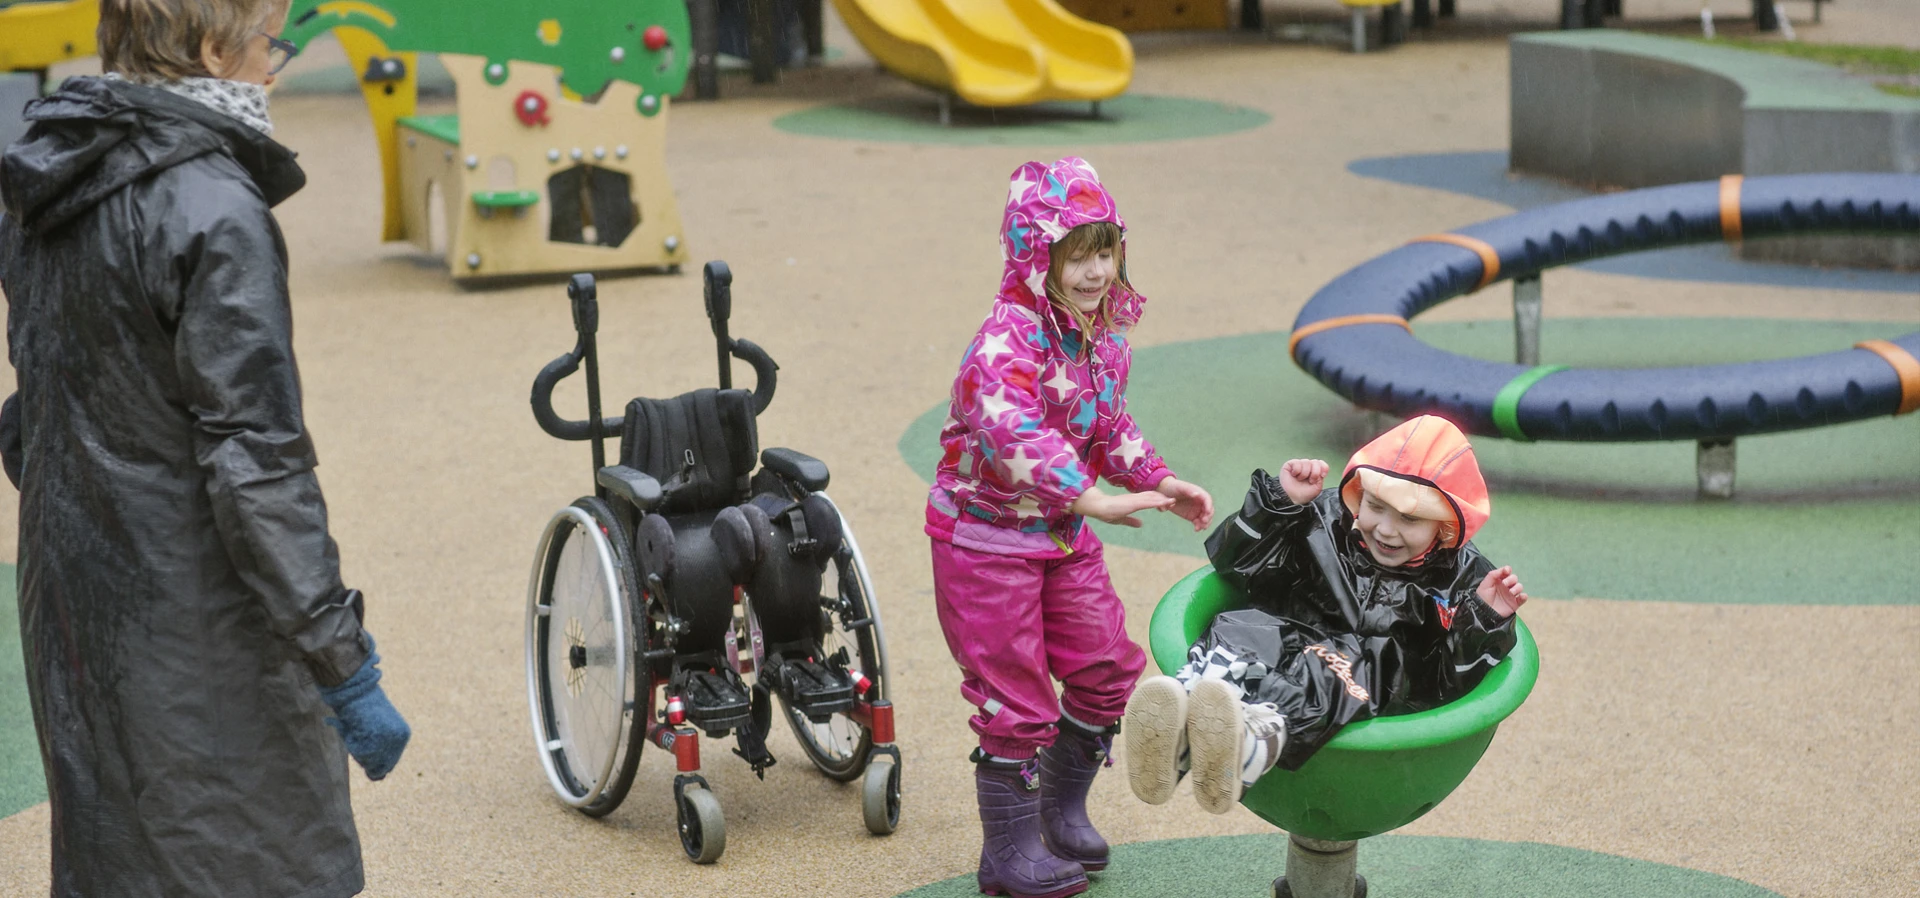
(237, 99)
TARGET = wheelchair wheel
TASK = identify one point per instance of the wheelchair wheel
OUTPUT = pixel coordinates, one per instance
(583, 686)
(880, 796)
(840, 746)
(703, 829)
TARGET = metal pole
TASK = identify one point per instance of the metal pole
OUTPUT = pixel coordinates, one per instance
(1526, 320)
(704, 21)
(1252, 17)
(761, 41)
(1320, 869)
(1714, 465)
(1359, 30)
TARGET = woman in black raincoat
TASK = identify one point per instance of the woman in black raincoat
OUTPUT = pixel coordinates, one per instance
(188, 640)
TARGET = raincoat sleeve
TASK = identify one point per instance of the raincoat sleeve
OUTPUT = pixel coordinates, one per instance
(997, 397)
(1477, 637)
(234, 353)
(1259, 548)
(1126, 459)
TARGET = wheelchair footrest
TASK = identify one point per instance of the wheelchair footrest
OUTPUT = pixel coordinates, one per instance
(715, 701)
(814, 689)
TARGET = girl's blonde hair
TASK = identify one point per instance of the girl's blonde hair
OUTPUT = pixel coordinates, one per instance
(161, 39)
(1092, 237)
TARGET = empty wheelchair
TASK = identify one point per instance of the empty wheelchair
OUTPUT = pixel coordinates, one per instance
(690, 594)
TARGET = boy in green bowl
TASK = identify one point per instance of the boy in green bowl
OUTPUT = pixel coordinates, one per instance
(1365, 600)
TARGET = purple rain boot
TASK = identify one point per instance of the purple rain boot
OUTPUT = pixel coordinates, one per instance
(1067, 768)
(1014, 859)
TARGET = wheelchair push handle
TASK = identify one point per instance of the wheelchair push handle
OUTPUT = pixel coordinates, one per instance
(719, 294)
(586, 304)
(586, 321)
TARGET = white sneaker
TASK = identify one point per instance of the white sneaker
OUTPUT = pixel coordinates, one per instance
(1233, 744)
(1155, 728)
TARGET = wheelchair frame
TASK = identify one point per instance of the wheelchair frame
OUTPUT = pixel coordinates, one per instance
(588, 594)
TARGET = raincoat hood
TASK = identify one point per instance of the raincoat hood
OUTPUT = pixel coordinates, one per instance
(1044, 202)
(94, 136)
(1430, 456)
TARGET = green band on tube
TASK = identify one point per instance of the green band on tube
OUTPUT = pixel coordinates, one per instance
(1506, 405)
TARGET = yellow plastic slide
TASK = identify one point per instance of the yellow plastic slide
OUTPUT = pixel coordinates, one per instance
(36, 35)
(993, 52)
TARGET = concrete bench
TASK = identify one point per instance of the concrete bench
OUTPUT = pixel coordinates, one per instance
(1618, 109)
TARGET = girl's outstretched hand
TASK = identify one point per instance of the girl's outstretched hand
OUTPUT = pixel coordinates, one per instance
(1502, 592)
(1119, 509)
(1302, 479)
(1189, 501)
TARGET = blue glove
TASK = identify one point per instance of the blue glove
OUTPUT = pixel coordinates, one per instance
(374, 732)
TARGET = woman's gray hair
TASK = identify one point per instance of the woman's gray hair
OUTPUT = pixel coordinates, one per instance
(161, 39)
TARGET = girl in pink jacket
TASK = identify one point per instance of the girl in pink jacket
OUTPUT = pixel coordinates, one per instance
(1039, 414)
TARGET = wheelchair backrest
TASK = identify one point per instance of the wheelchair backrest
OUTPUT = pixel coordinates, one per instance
(701, 446)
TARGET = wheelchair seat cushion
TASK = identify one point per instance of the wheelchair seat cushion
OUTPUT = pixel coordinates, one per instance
(701, 447)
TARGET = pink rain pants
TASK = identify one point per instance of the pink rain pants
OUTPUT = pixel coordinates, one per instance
(1017, 624)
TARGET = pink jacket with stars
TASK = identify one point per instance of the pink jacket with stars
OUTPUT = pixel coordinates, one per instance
(1036, 418)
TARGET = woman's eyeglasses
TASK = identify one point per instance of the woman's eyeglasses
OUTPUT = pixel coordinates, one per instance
(279, 53)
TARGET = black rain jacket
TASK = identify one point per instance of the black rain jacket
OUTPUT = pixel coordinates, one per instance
(179, 593)
(1339, 638)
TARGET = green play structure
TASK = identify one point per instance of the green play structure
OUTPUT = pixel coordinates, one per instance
(555, 161)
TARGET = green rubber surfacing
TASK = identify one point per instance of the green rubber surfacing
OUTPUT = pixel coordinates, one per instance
(22, 784)
(1129, 118)
(1826, 516)
(1396, 866)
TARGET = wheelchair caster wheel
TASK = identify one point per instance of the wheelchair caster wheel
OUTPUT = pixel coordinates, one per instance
(703, 831)
(880, 796)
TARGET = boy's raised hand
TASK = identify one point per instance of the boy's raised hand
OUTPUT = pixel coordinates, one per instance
(1118, 509)
(1502, 592)
(1302, 478)
(1189, 501)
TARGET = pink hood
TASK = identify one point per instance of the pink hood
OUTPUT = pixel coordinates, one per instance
(1044, 202)
(1039, 410)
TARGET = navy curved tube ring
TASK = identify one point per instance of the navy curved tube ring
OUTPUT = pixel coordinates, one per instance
(1353, 336)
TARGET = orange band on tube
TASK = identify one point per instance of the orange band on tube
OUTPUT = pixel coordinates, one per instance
(1904, 365)
(1343, 321)
(1489, 260)
(1730, 207)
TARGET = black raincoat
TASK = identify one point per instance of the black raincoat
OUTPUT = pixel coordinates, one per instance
(1339, 638)
(179, 594)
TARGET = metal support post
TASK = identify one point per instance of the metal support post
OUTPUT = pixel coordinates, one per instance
(1320, 869)
(1252, 17)
(1359, 30)
(762, 41)
(1393, 24)
(704, 20)
(1526, 320)
(813, 25)
(946, 110)
(1714, 464)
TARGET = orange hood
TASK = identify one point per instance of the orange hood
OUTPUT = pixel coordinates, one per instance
(1430, 452)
